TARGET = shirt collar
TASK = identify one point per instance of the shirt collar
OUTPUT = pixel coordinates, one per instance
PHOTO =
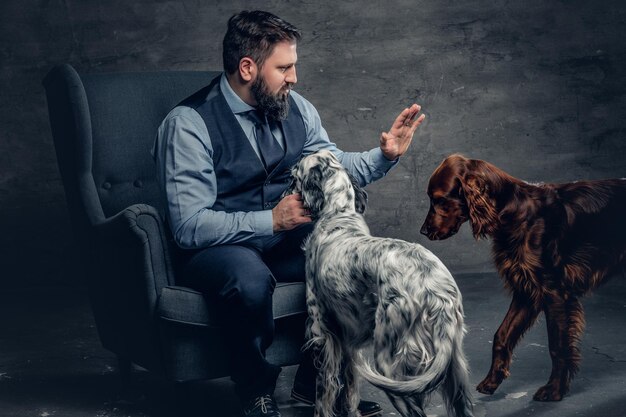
(236, 104)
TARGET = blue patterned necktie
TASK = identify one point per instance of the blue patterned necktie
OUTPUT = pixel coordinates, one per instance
(271, 151)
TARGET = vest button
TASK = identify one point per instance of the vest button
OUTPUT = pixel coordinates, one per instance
(106, 185)
(138, 183)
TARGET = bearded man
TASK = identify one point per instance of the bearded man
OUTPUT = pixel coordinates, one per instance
(223, 159)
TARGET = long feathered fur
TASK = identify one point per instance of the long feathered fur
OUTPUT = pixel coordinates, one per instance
(552, 244)
(363, 290)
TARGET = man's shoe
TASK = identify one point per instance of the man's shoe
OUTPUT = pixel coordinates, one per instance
(306, 394)
(264, 406)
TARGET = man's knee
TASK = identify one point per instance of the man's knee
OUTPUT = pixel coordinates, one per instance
(230, 272)
(249, 288)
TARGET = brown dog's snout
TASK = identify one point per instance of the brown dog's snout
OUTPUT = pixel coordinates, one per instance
(427, 228)
(424, 229)
(434, 228)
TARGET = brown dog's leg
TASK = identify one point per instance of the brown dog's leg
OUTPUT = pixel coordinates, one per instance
(565, 320)
(521, 315)
(576, 326)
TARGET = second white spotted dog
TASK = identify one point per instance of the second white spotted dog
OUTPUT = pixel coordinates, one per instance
(364, 291)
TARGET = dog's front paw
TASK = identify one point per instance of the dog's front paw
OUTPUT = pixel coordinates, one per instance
(487, 386)
(493, 380)
(548, 392)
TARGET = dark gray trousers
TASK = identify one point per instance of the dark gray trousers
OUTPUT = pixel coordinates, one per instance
(240, 280)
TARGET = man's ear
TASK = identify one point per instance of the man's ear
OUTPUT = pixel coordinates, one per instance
(247, 69)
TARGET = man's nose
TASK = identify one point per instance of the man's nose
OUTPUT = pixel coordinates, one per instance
(291, 75)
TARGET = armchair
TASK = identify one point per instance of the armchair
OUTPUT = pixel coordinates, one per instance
(103, 127)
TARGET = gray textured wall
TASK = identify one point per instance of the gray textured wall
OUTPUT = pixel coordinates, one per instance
(536, 87)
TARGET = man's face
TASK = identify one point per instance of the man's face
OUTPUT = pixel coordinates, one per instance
(274, 81)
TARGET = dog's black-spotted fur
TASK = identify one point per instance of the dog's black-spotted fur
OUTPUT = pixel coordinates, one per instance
(364, 290)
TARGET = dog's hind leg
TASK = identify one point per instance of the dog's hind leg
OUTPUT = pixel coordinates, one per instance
(455, 387)
(416, 405)
(348, 400)
(408, 406)
(521, 316)
(576, 326)
(389, 365)
(565, 322)
(329, 373)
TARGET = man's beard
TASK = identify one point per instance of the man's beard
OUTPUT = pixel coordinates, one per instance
(275, 106)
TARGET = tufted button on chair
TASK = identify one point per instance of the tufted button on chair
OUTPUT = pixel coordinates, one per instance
(103, 126)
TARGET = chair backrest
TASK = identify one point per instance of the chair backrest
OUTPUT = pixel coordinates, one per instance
(104, 126)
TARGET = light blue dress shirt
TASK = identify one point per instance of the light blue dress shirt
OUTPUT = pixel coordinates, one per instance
(186, 175)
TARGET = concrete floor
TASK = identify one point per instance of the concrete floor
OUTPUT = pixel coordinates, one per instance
(51, 363)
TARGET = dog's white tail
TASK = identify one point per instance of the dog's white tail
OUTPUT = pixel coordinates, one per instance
(443, 363)
(440, 352)
(426, 382)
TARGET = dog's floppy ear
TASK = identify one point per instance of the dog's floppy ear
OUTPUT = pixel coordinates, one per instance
(312, 192)
(480, 203)
(360, 195)
(291, 187)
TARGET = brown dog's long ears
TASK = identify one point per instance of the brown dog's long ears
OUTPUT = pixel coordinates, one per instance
(481, 206)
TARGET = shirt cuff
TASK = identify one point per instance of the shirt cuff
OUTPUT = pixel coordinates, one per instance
(264, 223)
(381, 161)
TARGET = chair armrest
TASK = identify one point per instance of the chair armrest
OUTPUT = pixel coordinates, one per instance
(131, 265)
(133, 255)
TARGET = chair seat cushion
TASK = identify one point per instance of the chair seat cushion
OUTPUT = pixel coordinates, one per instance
(188, 306)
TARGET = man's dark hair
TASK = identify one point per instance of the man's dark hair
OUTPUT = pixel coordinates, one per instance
(254, 34)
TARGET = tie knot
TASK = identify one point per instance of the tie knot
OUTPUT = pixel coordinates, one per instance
(258, 117)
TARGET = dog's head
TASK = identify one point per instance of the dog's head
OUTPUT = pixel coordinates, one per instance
(461, 189)
(326, 187)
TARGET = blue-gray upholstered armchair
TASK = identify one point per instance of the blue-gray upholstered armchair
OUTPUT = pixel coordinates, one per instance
(103, 126)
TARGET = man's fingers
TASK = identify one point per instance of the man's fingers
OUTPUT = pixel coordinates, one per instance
(418, 122)
(407, 116)
(402, 117)
(296, 197)
(413, 111)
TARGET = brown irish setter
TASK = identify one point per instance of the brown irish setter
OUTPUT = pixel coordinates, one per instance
(552, 243)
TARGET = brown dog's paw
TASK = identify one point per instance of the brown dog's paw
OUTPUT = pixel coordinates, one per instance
(548, 393)
(487, 386)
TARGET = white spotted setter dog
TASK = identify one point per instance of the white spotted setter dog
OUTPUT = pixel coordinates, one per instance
(368, 291)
